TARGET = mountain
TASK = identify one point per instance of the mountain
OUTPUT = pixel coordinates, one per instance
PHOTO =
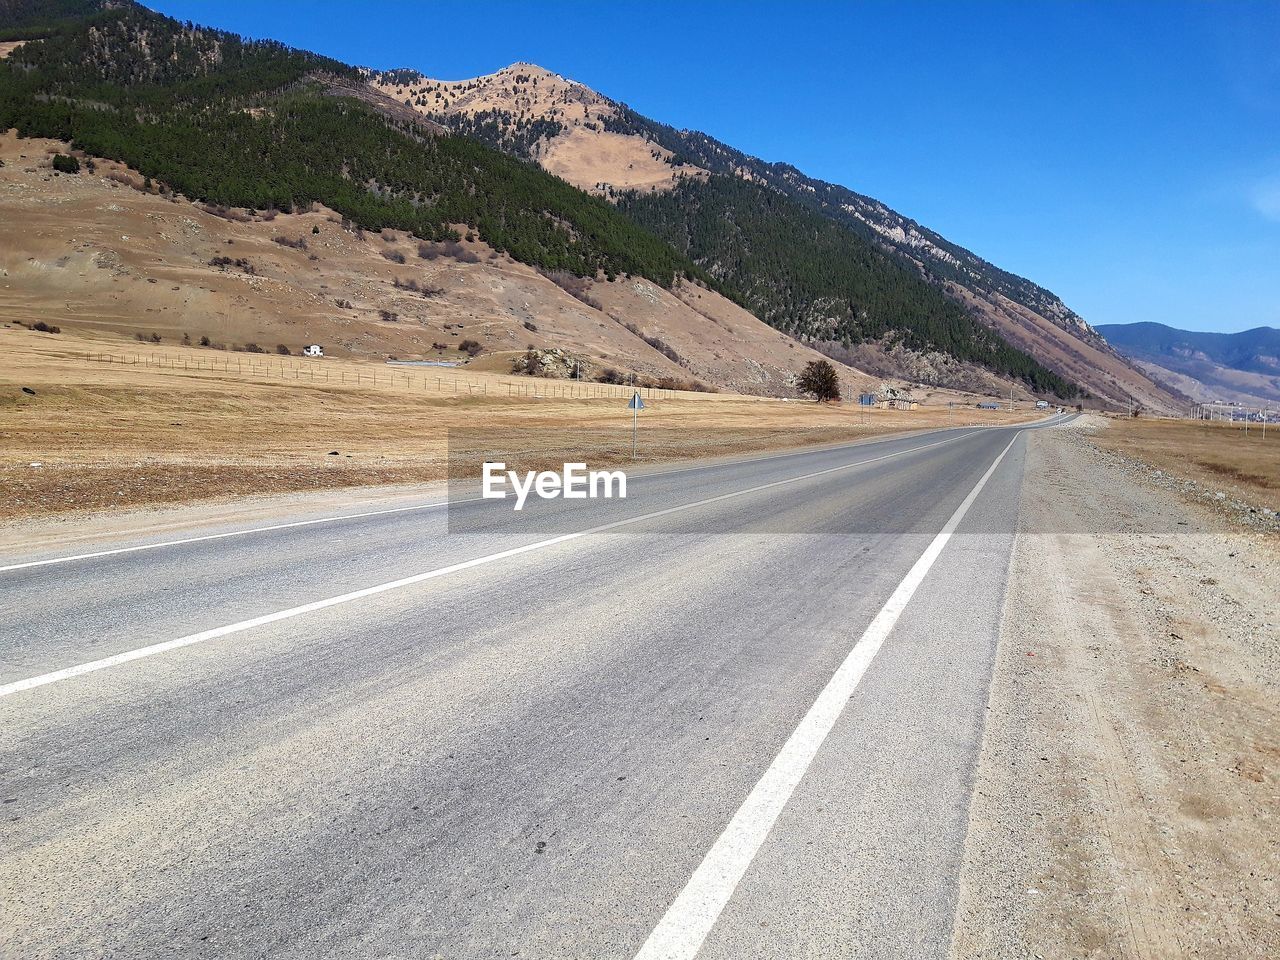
(750, 224)
(260, 127)
(1242, 367)
(439, 233)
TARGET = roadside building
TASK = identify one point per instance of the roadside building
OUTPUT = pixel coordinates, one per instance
(313, 350)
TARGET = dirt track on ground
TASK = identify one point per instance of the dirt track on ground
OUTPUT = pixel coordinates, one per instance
(1126, 802)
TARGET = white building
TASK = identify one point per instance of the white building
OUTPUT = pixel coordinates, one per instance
(314, 350)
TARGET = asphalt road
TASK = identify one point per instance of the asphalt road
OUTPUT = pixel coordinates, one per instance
(741, 720)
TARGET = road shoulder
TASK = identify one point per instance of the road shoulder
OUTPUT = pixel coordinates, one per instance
(1125, 797)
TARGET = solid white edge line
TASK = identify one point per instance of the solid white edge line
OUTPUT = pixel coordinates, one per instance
(152, 650)
(423, 506)
(683, 928)
(229, 533)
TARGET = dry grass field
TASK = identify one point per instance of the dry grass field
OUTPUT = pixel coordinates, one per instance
(1219, 455)
(175, 424)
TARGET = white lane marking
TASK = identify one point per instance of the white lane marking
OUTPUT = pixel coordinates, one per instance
(683, 928)
(423, 506)
(152, 650)
(223, 536)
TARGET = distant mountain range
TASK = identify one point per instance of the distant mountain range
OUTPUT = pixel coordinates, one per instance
(1242, 367)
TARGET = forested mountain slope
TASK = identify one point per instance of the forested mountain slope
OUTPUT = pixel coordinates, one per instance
(606, 147)
(258, 125)
(401, 242)
(798, 271)
(254, 124)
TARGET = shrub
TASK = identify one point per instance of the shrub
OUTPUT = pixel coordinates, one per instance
(217, 210)
(240, 263)
(389, 316)
(470, 347)
(577, 287)
(282, 350)
(253, 348)
(416, 287)
(298, 244)
(531, 326)
(395, 256)
(449, 248)
(205, 341)
(66, 164)
(657, 343)
(45, 327)
(672, 383)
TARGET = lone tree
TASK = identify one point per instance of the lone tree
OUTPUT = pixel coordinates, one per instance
(820, 379)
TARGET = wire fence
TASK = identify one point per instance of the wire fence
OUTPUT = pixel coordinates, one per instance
(267, 367)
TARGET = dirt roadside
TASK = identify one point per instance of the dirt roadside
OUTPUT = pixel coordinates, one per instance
(1126, 802)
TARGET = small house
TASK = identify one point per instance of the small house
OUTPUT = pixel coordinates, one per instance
(313, 350)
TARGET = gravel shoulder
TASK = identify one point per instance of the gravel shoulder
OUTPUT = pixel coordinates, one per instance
(1126, 798)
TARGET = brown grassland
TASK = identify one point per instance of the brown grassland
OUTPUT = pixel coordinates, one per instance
(1219, 455)
(178, 424)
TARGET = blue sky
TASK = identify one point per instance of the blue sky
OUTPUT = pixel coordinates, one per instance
(1125, 155)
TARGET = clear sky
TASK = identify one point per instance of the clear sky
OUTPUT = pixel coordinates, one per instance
(1125, 155)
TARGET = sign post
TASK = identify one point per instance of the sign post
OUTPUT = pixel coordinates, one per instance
(636, 405)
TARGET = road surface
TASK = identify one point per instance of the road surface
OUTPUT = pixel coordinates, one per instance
(741, 719)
